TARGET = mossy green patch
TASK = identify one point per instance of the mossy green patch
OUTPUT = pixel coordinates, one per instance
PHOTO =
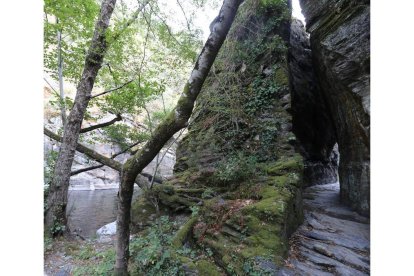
(183, 233)
(207, 268)
(281, 76)
(286, 165)
(272, 208)
(142, 213)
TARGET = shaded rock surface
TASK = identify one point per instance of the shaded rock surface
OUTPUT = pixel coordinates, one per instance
(312, 123)
(333, 240)
(340, 43)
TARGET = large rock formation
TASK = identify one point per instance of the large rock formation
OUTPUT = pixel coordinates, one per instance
(238, 168)
(340, 43)
(311, 119)
(238, 162)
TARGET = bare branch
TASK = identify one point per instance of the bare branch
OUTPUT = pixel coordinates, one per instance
(185, 16)
(125, 150)
(111, 122)
(57, 93)
(113, 164)
(143, 55)
(131, 20)
(86, 169)
(162, 158)
(113, 89)
(166, 25)
(89, 152)
(101, 165)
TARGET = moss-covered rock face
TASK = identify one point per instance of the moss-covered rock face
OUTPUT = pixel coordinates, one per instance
(237, 166)
(244, 101)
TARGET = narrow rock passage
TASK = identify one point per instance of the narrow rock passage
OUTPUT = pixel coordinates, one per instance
(333, 240)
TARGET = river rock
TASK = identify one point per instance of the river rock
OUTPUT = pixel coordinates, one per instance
(107, 230)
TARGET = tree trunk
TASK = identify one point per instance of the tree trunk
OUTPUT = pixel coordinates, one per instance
(60, 73)
(175, 121)
(57, 199)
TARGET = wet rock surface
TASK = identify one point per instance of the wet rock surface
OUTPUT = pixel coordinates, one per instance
(333, 240)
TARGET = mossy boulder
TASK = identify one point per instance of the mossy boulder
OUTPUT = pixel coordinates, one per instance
(243, 229)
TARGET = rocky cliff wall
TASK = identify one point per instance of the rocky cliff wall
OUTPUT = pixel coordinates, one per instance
(340, 43)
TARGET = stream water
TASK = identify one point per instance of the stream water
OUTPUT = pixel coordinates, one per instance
(90, 210)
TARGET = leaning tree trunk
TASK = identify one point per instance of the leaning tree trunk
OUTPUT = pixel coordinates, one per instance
(57, 199)
(175, 121)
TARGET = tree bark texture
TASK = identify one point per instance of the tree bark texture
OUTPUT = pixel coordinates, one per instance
(175, 121)
(57, 199)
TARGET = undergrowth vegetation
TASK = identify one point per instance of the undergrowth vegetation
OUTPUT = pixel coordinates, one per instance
(236, 167)
(151, 253)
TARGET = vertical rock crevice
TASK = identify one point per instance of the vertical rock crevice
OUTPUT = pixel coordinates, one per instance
(340, 43)
(312, 123)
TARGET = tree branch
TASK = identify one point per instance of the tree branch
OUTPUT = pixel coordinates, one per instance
(87, 151)
(185, 16)
(131, 20)
(86, 169)
(166, 25)
(111, 122)
(57, 93)
(105, 161)
(112, 90)
(112, 157)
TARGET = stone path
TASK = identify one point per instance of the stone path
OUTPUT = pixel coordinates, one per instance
(333, 240)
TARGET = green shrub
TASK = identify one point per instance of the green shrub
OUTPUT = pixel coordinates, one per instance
(237, 167)
(49, 166)
(104, 264)
(152, 254)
